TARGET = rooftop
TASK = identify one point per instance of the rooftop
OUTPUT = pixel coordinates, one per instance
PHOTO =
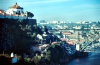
(16, 6)
(1, 11)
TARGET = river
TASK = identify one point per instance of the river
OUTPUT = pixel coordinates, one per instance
(92, 59)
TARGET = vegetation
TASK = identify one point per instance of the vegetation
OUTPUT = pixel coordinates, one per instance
(29, 14)
(14, 37)
(18, 36)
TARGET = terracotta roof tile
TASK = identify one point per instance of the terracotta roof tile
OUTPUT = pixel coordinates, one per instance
(16, 6)
(14, 14)
(1, 11)
(7, 14)
(67, 33)
(1, 14)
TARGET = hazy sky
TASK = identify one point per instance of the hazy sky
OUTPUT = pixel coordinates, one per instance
(62, 10)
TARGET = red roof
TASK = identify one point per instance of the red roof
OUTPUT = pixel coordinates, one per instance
(14, 14)
(1, 11)
(70, 42)
(67, 33)
(16, 6)
(7, 14)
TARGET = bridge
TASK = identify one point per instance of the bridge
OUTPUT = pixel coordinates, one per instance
(93, 46)
(88, 46)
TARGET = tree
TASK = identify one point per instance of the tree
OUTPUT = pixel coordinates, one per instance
(29, 14)
(55, 53)
(15, 38)
(46, 30)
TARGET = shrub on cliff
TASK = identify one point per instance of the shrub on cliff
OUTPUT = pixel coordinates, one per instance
(14, 37)
(55, 53)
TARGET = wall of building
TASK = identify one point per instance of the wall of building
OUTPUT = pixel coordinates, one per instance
(13, 17)
(14, 11)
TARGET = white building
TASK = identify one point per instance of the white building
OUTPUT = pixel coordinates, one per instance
(55, 22)
(15, 9)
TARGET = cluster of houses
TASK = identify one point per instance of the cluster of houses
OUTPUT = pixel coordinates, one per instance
(48, 39)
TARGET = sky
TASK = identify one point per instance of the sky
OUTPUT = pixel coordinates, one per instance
(60, 10)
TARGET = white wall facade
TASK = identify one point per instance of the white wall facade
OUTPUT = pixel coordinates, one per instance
(14, 11)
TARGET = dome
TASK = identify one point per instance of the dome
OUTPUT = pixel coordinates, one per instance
(16, 6)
